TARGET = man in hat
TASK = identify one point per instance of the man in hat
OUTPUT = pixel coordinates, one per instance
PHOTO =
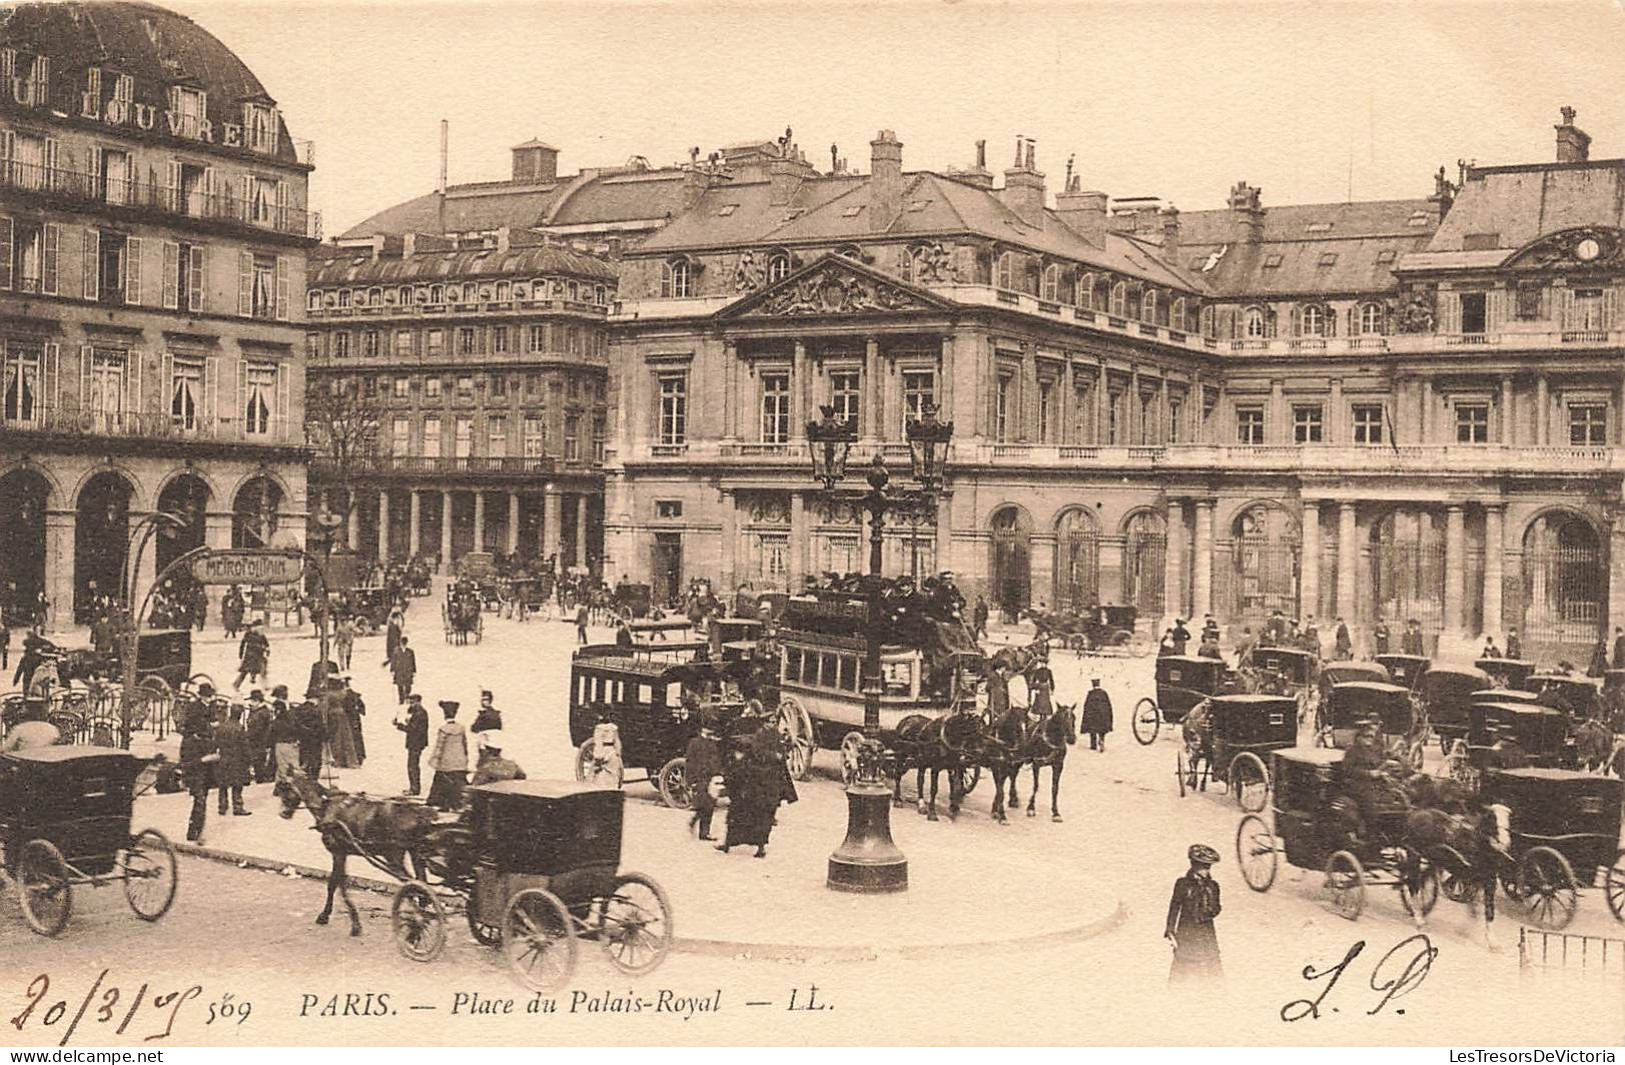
(312, 736)
(1097, 715)
(198, 757)
(1514, 644)
(702, 762)
(45, 679)
(1490, 650)
(403, 667)
(493, 767)
(1181, 636)
(1343, 642)
(416, 727)
(449, 760)
(232, 771)
(1191, 910)
(336, 726)
(284, 740)
(489, 717)
(1380, 637)
(253, 656)
(355, 708)
(258, 731)
(1411, 642)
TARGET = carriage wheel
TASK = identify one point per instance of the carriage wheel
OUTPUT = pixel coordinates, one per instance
(1420, 893)
(1546, 884)
(1249, 782)
(583, 760)
(1614, 887)
(150, 874)
(796, 726)
(486, 935)
(419, 921)
(1451, 869)
(1343, 891)
(635, 924)
(849, 756)
(1179, 772)
(539, 940)
(44, 887)
(1146, 721)
(1255, 852)
(676, 790)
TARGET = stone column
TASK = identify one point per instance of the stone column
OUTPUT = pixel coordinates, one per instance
(730, 399)
(728, 579)
(1494, 565)
(352, 530)
(59, 568)
(1131, 409)
(1162, 412)
(414, 535)
(1424, 410)
(1277, 423)
(800, 395)
(445, 527)
(383, 525)
(798, 543)
(552, 522)
(1542, 413)
(581, 530)
(1202, 563)
(1173, 596)
(479, 520)
(1335, 433)
(1103, 412)
(1348, 562)
(513, 522)
(874, 424)
(1309, 575)
(1455, 568)
(1509, 425)
(945, 378)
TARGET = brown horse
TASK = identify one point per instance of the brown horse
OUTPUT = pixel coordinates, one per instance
(384, 831)
(945, 744)
(1595, 746)
(1047, 741)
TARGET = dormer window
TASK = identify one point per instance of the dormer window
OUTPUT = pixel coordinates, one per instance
(313, 300)
(260, 128)
(1256, 326)
(676, 279)
(1328, 258)
(778, 267)
(1005, 277)
(727, 209)
(1272, 261)
(1148, 307)
(1178, 319)
(189, 109)
(1084, 293)
(1119, 300)
(1052, 282)
(1386, 256)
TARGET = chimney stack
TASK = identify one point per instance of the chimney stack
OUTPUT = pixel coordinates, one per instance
(1573, 143)
(1247, 212)
(445, 152)
(978, 175)
(535, 162)
(1083, 211)
(1170, 231)
(885, 180)
(783, 179)
(1023, 190)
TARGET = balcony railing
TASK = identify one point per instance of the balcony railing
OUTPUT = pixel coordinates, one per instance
(147, 425)
(470, 465)
(87, 188)
(435, 310)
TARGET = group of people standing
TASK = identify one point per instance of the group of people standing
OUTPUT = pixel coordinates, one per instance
(750, 769)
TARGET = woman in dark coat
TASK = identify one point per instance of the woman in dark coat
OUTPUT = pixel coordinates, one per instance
(1040, 682)
(759, 781)
(1191, 911)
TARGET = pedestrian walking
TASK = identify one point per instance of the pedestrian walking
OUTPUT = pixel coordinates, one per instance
(702, 763)
(1097, 715)
(1191, 910)
(197, 758)
(998, 693)
(258, 732)
(1040, 682)
(284, 742)
(581, 623)
(336, 726)
(403, 667)
(394, 634)
(312, 737)
(233, 770)
(1343, 642)
(449, 760)
(253, 656)
(355, 708)
(416, 727)
(231, 612)
(344, 640)
(758, 783)
(979, 616)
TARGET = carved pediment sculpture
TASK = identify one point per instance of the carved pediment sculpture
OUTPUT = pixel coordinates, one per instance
(934, 262)
(831, 290)
(749, 274)
(1416, 312)
(1584, 248)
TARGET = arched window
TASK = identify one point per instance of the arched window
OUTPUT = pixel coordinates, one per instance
(437, 294)
(403, 295)
(674, 279)
(1208, 318)
(504, 291)
(1257, 328)
(1005, 276)
(1148, 306)
(313, 300)
(1052, 282)
(1370, 318)
(375, 297)
(778, 266)
(1312, 321)
(1119, 305)
(1083, 293)
(344, 297)
(1176, 315)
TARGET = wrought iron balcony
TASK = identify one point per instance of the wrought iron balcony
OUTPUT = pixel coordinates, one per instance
(424, 465)
(146, 425)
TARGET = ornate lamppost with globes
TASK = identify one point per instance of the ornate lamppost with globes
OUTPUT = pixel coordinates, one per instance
(868, 861)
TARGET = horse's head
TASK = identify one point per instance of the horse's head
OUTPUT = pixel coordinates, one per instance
(1062, 726)
(303, 791)
(961, 730)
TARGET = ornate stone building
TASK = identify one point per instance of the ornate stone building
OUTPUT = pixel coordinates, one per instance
(153, 236)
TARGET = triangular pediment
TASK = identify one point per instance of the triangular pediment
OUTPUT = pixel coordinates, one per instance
(1581, 248)
(832, 286)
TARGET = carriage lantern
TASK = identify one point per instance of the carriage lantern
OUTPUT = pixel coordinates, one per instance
(928, 447)
(830, 439)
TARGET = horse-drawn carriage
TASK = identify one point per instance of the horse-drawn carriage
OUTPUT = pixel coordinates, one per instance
(1507, 672)
(462, 614)
(1316, 827)
(1345, 706)
(1405, 670)
(536, 867)
(1227, 738)
(1505, 733)
(65, 822)
(1578, 696)
(1446, 696)
(1284, 671)
(1182, 682)
(370, 606)
(631, 600)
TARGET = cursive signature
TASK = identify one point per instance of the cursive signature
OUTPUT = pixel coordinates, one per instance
(1396, 974)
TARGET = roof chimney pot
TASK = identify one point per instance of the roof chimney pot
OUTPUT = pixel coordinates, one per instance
(1573, 143)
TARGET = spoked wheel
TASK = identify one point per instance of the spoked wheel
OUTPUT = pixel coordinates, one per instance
(1180, 771)
(583, 759)
(419, 921)
(1343, 890)
(1419, 892)
(795, 725)
(676, 790)
(486, 935)
(849, 756)
(1451, 872)
(1614, 887)
(150, 875)
(1249, 782)
(44, 888)
(1255, 852)
(635, 924)
(539, 940)
(1546, 884)
(1145, 722)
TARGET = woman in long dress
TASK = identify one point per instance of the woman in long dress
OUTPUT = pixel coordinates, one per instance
(1191, 911)
(758, 781)
(336, 717)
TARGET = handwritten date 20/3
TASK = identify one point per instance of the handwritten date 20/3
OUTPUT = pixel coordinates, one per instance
(106, 1004)
(1397, 974)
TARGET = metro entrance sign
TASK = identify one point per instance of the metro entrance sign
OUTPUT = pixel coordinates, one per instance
(249, 566)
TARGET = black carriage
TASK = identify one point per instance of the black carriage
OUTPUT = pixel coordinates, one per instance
(370, 606)
(1576, 695)
(1285, 671)
(1509, 734)
(1345, 707)
(731, 639)
(1406, 670)
(1182, 682)
(65, 822)
(1231, 744)
(536, 867)
(1507, 672)
(632, 600)
(1446, 695)
(1311, 831)
(462, 615)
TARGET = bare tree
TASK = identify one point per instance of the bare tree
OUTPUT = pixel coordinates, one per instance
(343, 426)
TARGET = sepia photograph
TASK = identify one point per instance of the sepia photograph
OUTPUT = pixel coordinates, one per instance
(617, 524)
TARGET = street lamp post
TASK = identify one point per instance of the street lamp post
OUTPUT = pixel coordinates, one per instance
(868, 861)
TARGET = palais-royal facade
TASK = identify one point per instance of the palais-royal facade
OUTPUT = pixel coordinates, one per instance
(1405, 409)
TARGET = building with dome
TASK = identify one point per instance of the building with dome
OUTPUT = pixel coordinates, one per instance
(153, 236)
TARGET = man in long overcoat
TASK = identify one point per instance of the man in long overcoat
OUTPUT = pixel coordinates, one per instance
(233, 771)
(258, 728)
(1097, 715)
(403, 667)
(702, 761)
(253, 655)
(416, 727)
